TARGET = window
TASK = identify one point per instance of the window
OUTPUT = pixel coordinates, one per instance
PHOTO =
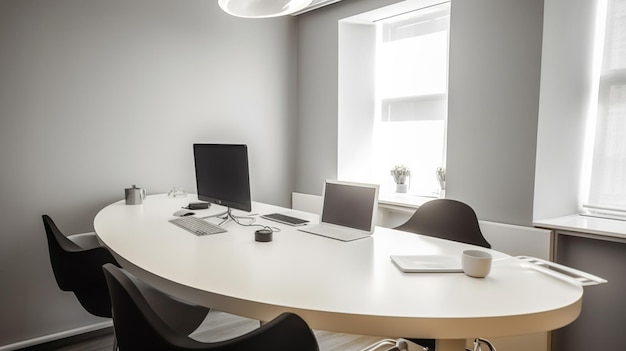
(407, 119)
(411, 89)
(607, 189)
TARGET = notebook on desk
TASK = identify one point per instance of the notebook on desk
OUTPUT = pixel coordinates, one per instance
(348, 211)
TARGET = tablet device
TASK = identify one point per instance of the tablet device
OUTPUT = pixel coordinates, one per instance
(428, 263)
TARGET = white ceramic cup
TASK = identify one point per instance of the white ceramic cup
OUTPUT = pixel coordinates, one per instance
(476, 263)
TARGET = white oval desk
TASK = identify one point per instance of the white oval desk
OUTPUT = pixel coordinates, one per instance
(350, 287)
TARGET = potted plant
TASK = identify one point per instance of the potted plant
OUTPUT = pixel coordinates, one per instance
(399, 174)
(441, 177)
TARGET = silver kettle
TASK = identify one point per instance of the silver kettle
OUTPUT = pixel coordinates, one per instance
(134, 195)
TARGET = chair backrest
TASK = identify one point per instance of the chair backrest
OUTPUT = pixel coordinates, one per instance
(446, 219)
(138, 327)
(79, 270)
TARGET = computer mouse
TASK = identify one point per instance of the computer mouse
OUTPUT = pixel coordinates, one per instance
(183, 213)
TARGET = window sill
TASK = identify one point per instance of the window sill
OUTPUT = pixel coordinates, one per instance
(402, 202)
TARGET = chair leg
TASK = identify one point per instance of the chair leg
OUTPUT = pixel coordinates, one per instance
(396, 345)
(480, 341)
(114, 342)
(381, 343)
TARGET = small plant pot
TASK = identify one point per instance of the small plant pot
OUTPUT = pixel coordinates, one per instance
(402, 188)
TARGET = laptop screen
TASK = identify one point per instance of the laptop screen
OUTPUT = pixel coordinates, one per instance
(350, 204)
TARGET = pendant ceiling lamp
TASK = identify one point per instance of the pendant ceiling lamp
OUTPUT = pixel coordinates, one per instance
(262, 8)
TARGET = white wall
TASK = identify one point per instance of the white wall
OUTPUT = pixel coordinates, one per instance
(566, 84)
(356, 78)
(98, 95)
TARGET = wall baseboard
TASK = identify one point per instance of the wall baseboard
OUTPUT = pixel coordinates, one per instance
(56, 336)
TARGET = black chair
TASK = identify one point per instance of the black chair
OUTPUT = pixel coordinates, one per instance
(138, 327)
(446, 219)
(77, 263)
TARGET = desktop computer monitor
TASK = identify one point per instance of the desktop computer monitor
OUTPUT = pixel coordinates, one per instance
(222, 175)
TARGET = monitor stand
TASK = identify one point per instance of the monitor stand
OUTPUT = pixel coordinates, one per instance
(228, 216)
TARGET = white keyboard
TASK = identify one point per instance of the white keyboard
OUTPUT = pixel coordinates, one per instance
(197, 226)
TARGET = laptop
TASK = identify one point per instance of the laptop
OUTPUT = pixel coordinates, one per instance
(348, 211)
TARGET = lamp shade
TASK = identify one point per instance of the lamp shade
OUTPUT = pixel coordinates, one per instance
(262, 8)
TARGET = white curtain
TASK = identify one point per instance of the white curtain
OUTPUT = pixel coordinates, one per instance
(607, 190)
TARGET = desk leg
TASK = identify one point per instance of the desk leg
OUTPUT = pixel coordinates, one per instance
(450, 345)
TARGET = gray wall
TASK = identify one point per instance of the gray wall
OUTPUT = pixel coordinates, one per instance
(495, 66)
(495, 69)
(318, 89)
(600, 325)
(98, 95)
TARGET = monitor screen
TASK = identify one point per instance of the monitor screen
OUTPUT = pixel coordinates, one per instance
(222, 175)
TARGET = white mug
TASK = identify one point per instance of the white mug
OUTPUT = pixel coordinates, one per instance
(476, 263)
